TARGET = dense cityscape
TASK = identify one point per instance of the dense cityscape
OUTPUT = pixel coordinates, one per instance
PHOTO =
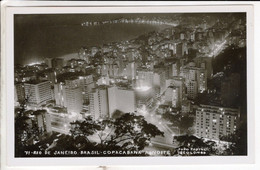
(178, 91)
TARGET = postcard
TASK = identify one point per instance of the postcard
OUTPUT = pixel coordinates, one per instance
(128, 85)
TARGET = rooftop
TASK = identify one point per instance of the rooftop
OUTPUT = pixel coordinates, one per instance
(35, 82)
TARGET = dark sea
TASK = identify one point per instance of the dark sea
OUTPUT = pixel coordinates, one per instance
(36, 39)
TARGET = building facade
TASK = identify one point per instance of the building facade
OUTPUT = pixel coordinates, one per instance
(98, 102)
(121, 99)
(38, 92)
(74, 99)
(145, 77)
(213, 122)
(19, 92)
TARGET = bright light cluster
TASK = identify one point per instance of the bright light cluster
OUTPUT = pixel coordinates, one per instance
(143, 88)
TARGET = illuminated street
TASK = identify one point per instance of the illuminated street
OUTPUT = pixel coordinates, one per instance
(158, 142)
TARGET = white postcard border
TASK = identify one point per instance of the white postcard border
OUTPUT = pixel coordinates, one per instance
(8, 93)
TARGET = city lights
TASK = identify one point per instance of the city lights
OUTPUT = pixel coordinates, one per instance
(143, 88)
(34, 63)
(116, 91)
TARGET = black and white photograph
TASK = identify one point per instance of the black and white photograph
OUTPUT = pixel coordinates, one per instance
(128, 85)
(163, 84)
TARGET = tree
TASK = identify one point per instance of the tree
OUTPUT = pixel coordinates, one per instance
(21, 134)
(117, 114)
(22, 130)
(68, 143)
(132, 132)
(174, 119)
(84, 128)
(186, 122)
(128, 132)
(237, 141)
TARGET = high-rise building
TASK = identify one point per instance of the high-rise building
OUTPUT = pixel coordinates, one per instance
(111, 70)
(131, 70)
(74, 99)
(182, 36)
(98, 102)
(145, 77)
(195, 77)
(52, 76)
(192, 89)
(168, 95)
(186, 106)
(42, 120)
(166, 67)
(39, 120)
(94, 104)
(156, 79)
(213, 122)
(202, 80)
(74, 94)
(175, 97)
(104, 70)
(179, 82)
(179, 50)
(38, 92)
(172, 97)
(48, 74)
(159, 79)
(60, 94)
(80, 86)
(87, 83)
(175, 69)
(19, 92)
(192, 36)
(104, 80)
(121, 99)
(211, 36)
(205, 63)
